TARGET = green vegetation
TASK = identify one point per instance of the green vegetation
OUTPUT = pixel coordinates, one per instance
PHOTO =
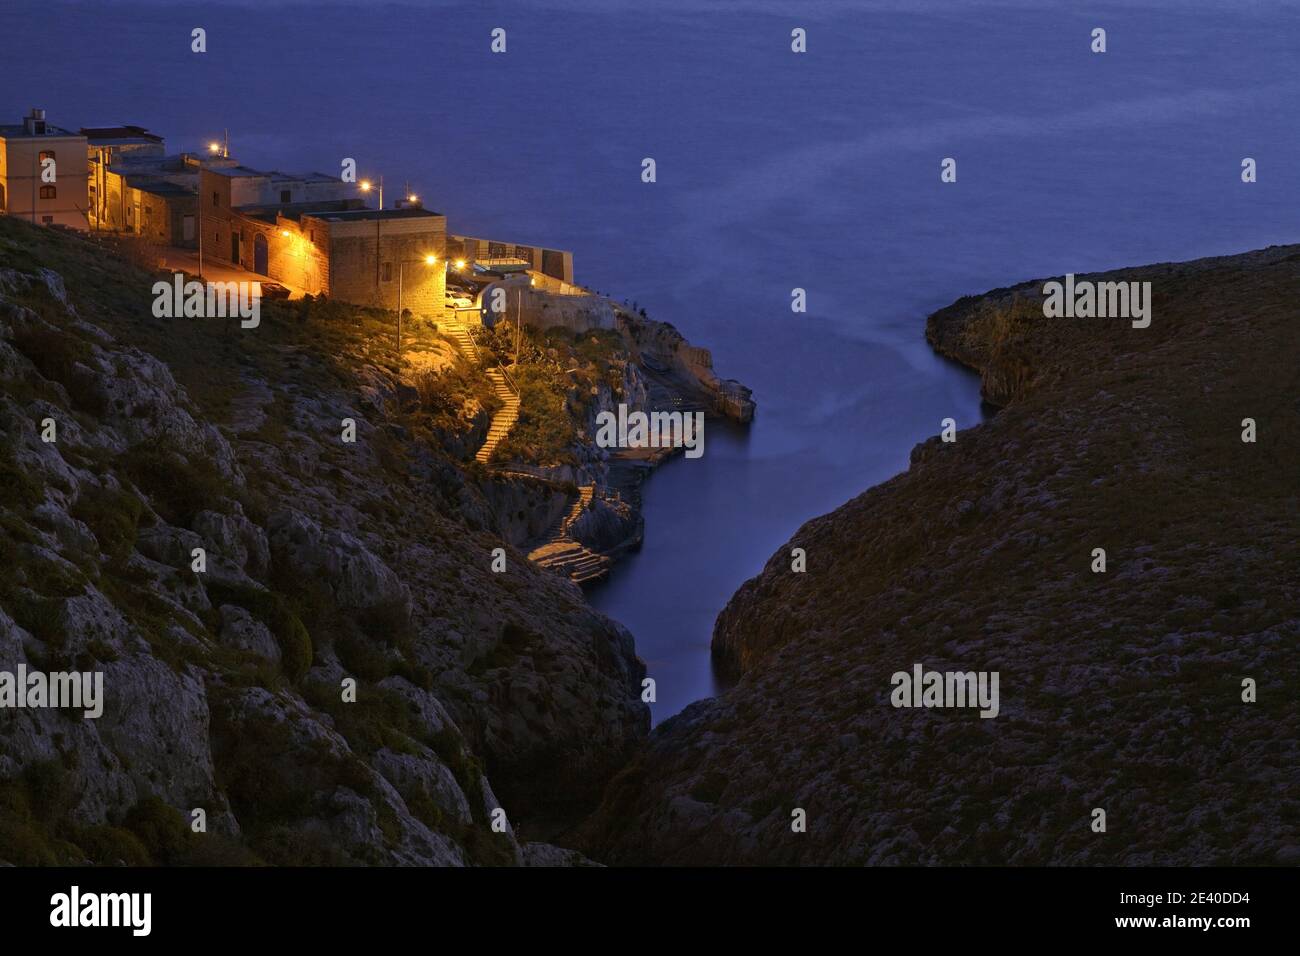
(112, 515)
(558, 375)
(280, 617)
(177, 488)
(36, 829)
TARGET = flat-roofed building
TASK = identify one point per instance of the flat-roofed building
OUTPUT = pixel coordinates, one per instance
(107, 147)
(333, 246)
(43, 172)
(501, 256)
(373, 253)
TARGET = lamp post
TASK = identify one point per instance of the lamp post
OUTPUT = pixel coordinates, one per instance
(401, 266)
(365, 188)
(214, 148)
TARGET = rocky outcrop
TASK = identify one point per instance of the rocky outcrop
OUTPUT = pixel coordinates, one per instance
(301, 635)
(1120, 690)
(658, 346)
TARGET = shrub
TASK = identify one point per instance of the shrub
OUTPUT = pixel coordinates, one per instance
(110, 846)
(62, 357)
(296, 651)
(17, 485)
(159, 827)
(177, 489)
(112, 517)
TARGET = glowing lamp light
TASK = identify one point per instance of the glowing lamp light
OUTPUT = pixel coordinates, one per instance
(214, 147)
(285, 233)
(460, 264)
(430, 260)
(365, 185)
(412, 198)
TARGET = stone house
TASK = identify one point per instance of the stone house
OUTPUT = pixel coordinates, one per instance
(43, 172)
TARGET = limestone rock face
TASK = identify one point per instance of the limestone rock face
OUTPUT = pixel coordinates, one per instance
(1120, 690)
(346, 674)
(241, 630)
(661, 347)
(357, 578)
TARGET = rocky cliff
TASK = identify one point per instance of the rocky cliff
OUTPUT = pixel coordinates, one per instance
(1122, 690)
(183, 510)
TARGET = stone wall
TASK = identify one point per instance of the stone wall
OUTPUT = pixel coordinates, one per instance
(357, 275)
(544, 310)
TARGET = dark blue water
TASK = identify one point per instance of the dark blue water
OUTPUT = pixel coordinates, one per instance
(775, 171)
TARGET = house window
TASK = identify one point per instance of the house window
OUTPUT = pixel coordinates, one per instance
(284, 195)
(388, 272)
(187, 228)
(47, 220)
(216, 198)
(49, 192)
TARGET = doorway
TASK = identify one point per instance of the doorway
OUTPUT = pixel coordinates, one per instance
(259, 254)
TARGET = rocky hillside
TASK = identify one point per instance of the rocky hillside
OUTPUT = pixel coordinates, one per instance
(1120, 690)
(325, 561)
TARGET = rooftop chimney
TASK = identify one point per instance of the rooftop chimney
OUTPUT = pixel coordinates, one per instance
(34, 122)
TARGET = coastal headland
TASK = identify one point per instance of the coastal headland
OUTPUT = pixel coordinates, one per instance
(1117, 543)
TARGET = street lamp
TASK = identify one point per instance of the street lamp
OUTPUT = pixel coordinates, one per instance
(215, 148)
(401, 268)
(366, 186)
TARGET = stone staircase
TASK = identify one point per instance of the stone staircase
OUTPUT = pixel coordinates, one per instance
(462, 339)
(505, 417)
(561, 554)
(558, 552)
